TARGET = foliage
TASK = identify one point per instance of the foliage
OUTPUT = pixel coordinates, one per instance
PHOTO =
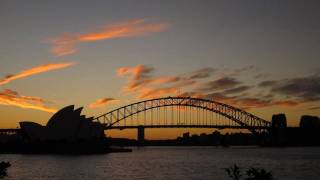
(258, 174)
(234, 172)
(3, 169)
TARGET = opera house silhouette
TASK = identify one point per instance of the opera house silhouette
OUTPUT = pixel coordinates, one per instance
(65, 125)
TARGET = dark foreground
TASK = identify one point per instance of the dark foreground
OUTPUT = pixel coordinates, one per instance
(205, 163)
(59, 147)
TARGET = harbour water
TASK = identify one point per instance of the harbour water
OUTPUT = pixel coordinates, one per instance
(299, 163)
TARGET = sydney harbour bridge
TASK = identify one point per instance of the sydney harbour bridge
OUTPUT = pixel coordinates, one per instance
(178, 112)
(181, 112)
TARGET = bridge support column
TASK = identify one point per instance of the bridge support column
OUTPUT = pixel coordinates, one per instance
(140, 137)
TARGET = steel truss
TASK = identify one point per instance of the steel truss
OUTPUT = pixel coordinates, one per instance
(242, 119)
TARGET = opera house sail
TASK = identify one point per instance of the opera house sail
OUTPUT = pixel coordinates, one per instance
(65, 125)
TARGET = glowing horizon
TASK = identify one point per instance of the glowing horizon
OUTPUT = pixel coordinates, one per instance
(261, 58)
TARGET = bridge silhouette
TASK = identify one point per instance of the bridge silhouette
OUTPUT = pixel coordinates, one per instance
(177, 112)
(180, 112)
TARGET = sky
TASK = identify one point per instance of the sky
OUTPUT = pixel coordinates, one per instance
(261, 56)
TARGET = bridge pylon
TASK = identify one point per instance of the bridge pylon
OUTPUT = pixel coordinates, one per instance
(140, 135)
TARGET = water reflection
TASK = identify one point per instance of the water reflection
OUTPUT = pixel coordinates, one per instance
(168, 163)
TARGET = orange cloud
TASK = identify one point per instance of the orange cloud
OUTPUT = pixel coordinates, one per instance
(288, 103)
(154, 93)
(251, 102)
(135, 85)
(12, 98)
(102, 102)
(226, 89)
(143, 84)
(34, 70)
(130, 28)
(138, 72)
(192, 94)
(65, 44)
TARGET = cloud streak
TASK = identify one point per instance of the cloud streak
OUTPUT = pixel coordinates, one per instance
(238, 89)
(202, 73)
(225, 87)
(221, 83)
(65, 43)
(305, 89)
(138, 72)
(250, 102)
(141, 76)
(158, 92)
(12, 98)
(35, 70)
(144, 84)
(102, 102)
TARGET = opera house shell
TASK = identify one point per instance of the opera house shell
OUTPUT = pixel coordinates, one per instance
(67, 124)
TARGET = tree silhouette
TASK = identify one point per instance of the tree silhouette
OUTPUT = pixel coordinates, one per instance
(234, 172)
(258, 174)
(3, 169)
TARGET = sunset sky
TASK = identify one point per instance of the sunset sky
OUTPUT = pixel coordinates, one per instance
(262, 56)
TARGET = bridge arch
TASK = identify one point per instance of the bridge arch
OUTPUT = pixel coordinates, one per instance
(244, 119)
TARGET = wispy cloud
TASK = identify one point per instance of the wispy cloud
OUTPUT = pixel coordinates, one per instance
(12, 98)
(314, 108)
(137, 72)
(202, 73)
(135, 85)
(226, 87)
(249, 101)
(192, 94)
(65, 43)
(35, 70)
(144, 84)
(221, 83)
(102, 102)
(157, 92)
(236, 90)
(141, 76)
(267, 83)
(304, 88)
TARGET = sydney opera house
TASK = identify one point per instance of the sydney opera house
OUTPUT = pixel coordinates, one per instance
(66, 125)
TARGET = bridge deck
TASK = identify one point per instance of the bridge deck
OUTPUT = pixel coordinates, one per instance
(9, 131)
(185, 126)
(203, 108)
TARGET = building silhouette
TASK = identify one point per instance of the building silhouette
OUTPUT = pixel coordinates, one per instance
(65, 125)
(309, 122)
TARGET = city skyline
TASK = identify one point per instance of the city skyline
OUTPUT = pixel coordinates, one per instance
(262, 57)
